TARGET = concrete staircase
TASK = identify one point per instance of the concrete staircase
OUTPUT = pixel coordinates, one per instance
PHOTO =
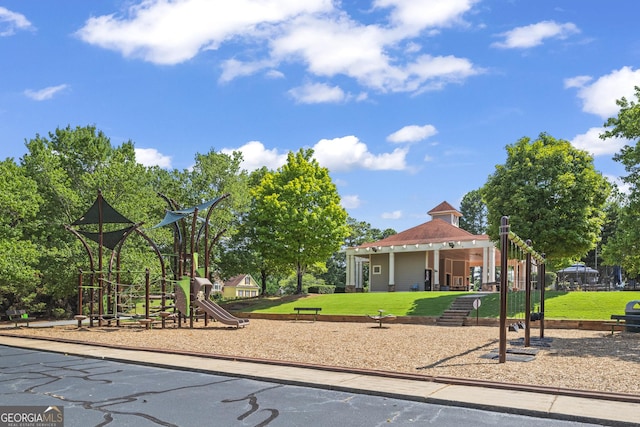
(457, 311)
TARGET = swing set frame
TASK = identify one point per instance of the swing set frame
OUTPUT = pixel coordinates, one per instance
(507, 238)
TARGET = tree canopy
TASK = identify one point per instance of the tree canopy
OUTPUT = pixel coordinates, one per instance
(627, 125)
(55, 183)
(622, 247)
(552, 195)
(300, 220)
(20, 204)
(474, 213)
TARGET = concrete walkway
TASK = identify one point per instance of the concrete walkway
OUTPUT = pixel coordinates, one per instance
(581, 409)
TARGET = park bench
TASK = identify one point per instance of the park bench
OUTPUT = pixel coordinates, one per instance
(314, 309)
(622, 321)
(19, 316)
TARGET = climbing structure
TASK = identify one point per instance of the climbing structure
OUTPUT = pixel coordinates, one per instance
(190, 238)
(105, 288)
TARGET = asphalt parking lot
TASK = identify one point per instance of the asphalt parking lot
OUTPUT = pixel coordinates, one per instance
(95, 392)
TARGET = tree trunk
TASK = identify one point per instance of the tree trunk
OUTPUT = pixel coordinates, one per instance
(299, 286)
(263, 277)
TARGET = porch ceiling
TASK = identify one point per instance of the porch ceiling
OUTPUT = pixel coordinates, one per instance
(473, 256)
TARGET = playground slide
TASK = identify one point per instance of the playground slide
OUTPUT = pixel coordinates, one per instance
(220, 314)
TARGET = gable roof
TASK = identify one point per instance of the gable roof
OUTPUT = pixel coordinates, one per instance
(434, 231)
(238, 281)
(444, 207)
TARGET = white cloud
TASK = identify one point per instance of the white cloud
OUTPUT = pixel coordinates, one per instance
(274, 74)
(12, 21)
(337, 155)
(336, 46)
(46, 93)
(412, 133)
(534, 34)
(317, 93)
(348, 153)
(577, 81)
(591, 142)
(152, 157)
(344, 47)
(165, 32)
(350, 202)
(392, 215)
(433, 73)
(232, 68)
(416, 15)
(255, 155)
(314, 33)
(600, 97)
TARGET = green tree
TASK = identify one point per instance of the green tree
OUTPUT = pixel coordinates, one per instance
(623, 248)
(244, 251)
(474, 213)
(69, 167)
(19, 256)
(213, 175)
(301, 220)
(552, 194)
(627, 125)
(615, 232)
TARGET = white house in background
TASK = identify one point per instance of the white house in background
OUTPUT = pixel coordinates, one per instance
(240, 286)
(436, 255)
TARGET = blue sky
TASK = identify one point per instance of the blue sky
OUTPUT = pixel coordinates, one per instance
(407, 102)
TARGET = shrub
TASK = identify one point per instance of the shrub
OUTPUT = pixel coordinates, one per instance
(59, 313)
(321, 289)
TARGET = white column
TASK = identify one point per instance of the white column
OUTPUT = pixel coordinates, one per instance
(436, 269)
(492, 264)
(392, 269)
(485, 266)
(349, 278)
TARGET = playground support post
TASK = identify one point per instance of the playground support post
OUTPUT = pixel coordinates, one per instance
(92, 296)
(80, 291)
(504, 259)
(542, 273)
(194, 223)
(527, 303)
(147, 285)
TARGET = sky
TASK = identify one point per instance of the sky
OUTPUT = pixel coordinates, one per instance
(408, 103)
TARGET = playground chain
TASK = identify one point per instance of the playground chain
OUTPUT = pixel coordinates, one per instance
(575, 359)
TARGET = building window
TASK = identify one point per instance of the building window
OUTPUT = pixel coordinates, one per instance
(247, 280)
(376, 269)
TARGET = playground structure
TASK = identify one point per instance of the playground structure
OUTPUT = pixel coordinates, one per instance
(515, 254)
(193, 286)
(111, 300)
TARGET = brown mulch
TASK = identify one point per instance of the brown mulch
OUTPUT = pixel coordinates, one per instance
(576, 359)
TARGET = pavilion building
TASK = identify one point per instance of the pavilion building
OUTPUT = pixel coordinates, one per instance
(436, 255)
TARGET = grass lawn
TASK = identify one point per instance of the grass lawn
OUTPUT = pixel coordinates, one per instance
(558, 305)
